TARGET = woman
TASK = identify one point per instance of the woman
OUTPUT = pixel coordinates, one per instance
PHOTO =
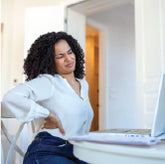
(54, 97)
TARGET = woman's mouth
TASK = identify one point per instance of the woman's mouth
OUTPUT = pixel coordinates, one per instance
(70, 64)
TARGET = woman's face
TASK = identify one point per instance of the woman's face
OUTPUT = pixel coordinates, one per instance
(64, 58)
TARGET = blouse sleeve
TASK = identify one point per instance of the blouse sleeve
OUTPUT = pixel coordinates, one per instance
(22, 100)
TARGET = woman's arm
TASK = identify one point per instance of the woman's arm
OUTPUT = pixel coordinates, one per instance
(22, 100)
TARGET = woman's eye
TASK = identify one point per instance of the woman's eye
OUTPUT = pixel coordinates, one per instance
(70, 52)
(59, 57)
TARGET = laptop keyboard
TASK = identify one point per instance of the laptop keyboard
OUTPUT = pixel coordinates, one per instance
(131, 139)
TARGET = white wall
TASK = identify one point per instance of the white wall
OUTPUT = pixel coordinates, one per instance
(121, 105)
(122, 75)
(7, 18)
(41, 20)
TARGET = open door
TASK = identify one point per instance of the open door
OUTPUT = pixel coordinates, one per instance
(92, 71)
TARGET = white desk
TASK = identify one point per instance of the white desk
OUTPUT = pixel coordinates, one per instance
(97, 153)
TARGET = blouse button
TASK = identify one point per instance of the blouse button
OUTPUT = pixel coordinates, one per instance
(85, 122)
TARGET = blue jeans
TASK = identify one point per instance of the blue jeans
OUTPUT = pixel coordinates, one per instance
(47, 149)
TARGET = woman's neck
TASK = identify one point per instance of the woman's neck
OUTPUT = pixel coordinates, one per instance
(69, 77)
(75, 84)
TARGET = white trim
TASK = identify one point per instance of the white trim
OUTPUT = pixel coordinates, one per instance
(103, 73)
(161, 35)
(139, 35)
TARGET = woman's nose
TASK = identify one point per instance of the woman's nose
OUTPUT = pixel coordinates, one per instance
(67, 57)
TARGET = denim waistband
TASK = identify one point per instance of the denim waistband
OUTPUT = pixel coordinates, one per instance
(46, 134)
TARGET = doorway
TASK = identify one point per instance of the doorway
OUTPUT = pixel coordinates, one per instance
(117, 60)
(92, 71)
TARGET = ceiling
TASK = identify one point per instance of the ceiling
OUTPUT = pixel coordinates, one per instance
(104, 11)
(123, 14)
(90, 7)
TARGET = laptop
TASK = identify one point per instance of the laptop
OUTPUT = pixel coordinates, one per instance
(135, 136)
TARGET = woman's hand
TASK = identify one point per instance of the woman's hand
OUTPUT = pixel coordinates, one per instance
(53, 122)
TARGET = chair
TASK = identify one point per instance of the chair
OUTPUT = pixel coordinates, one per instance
(11, 140)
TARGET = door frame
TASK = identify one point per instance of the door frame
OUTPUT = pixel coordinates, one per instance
(103, 73)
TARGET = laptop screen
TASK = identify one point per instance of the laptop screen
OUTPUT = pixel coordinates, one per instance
(159, 119)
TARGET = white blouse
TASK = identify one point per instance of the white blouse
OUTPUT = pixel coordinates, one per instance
(33, 100)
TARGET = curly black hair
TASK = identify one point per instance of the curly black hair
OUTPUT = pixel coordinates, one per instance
(40, 58)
